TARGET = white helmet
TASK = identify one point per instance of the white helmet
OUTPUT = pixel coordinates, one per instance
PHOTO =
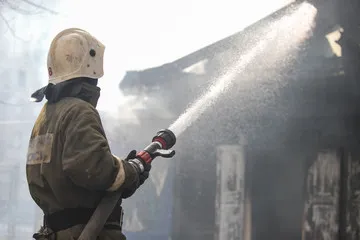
(75, 53)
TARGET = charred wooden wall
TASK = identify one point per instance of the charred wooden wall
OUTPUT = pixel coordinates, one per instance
(321, 211)
(332, 205)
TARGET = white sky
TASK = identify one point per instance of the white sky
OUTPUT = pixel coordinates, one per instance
(145, 33)
(139, 34)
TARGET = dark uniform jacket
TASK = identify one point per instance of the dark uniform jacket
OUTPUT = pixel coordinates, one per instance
(69, 162)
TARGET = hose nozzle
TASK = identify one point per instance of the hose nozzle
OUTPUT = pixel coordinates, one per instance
(166, 138)
(160, 146)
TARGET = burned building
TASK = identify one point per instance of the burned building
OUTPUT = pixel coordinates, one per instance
(289, 126)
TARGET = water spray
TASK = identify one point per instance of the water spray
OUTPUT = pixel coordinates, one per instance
(165, 139)
(224, 82)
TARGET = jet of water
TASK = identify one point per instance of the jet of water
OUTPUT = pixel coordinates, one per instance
(301, 19)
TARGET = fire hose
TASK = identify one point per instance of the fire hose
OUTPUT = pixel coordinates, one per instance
(160, 147)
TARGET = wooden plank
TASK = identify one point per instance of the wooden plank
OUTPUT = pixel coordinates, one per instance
(321, 206)
(353, 199)
(230, 194)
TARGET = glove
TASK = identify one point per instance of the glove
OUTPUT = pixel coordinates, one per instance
(131, 168)
(147, 167)
(132, 180)
(131, 155)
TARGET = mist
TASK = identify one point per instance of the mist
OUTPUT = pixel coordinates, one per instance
(266, 94)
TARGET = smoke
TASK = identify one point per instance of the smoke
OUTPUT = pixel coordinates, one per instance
(296, 26)
(24, 46)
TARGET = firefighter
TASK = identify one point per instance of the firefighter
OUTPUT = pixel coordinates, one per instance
(69, 164)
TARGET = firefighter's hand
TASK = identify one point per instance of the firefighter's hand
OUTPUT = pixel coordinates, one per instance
(143, 175)
(131, 155)
(132, 180)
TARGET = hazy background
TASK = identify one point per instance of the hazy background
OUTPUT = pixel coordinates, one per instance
(137, 35)
(145, 35)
